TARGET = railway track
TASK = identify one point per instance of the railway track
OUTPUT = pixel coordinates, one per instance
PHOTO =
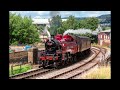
(31, 74)
(86, 66)
(77, 70)
(65, 72)
(103, 50)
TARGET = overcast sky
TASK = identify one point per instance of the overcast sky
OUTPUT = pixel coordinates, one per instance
(46, 14)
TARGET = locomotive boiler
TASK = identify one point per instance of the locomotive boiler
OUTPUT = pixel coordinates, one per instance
(61, 50)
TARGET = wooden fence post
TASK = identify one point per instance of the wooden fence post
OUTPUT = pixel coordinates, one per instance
(20, 67)
(12, 69)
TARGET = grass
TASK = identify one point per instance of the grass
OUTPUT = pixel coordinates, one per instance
(94, 44)
(101, 73)
(17, 70)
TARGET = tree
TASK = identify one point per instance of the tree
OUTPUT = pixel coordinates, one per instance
(82, 24)
(14, 27)
(93, 38)
(21, 30)
(55, 23)
(93, 23)
(71, 23)
(89, 23)
(60, 30)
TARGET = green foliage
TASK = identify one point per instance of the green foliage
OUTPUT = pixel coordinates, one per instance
(15, 43)
(89, 23)
(105, 28)
(18, 70)
(21, 30)
(71, 22)
(55, 23)
(93, 38)
(60, 30)
(57, 26)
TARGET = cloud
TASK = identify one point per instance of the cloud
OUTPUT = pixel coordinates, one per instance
(95, 13)
(46, 14)
(37, 17)
(67, 13)
(43, 12)
(83, 13)
(21, 12)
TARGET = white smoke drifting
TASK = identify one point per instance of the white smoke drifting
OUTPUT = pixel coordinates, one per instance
(48, 33)
(81, 31)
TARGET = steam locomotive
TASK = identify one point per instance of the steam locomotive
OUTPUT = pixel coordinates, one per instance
(62, 49)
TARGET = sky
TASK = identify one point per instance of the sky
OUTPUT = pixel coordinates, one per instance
(47, 14)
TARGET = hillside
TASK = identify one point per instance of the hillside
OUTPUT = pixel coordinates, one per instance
(105, 18)
(102, 18)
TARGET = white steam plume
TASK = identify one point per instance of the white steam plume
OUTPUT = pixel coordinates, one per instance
(48, 33)
(79, 31)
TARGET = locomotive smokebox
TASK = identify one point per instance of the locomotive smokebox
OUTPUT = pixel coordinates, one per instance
(52, 36)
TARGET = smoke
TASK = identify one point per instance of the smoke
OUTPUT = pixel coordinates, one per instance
(53, 23)
(54, 13)
(79, 31)
(48, 33)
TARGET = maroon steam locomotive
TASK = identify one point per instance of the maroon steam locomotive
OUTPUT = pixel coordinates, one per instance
(64, 49)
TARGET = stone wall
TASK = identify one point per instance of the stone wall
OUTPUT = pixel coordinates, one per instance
(18, 56)
(33, 55)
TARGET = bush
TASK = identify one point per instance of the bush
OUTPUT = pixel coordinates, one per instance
(93, 38)
(15, 43)
(16, 69)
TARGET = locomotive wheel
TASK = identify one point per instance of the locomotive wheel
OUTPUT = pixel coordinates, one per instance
(63, 62)
(75, 58)
(72, 58)
(55, 65)
(69, 58)
(45, 64)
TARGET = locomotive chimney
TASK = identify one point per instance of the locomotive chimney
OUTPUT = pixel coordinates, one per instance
(52, 36)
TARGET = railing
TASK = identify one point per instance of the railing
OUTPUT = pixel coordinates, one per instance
(19, 68)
